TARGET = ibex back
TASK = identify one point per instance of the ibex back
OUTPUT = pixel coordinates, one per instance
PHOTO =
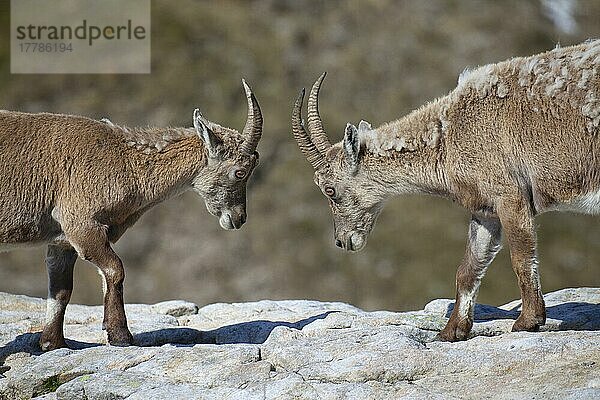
(513, 140)
(77, 184)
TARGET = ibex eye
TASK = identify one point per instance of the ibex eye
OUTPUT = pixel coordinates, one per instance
(329, 191)
(240, 173)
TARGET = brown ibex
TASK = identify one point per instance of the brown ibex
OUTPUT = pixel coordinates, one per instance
(512, 140)
(78, 184)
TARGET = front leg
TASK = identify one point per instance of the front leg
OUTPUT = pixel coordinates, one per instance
(60, 261)
(92, 245)
(517, 221)
(484, 242)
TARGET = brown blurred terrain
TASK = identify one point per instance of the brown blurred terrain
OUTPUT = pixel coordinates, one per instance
(384, 58)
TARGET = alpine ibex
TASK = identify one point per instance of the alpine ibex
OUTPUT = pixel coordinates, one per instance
(512, 140)
(77, 185)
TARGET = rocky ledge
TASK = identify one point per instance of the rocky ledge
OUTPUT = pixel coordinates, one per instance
(303, 350)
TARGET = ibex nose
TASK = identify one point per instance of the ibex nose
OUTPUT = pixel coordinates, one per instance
(338, 243)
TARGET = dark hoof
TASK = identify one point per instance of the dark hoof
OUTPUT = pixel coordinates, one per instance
(455, 331)
(528, 324)
(121, 339)
(49, 344)
(449, 336)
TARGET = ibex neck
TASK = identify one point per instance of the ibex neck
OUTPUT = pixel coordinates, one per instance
(168, 168)
(408, 154)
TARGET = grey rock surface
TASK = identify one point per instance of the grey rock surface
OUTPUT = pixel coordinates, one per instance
(299, 349)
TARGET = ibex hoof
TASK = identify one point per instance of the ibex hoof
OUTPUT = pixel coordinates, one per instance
(528, 324)
(454, 332)
(122, 338)
(48, 344)
(445, 336)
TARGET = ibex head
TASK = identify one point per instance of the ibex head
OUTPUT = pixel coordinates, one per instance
(231, 159)
(354, 199)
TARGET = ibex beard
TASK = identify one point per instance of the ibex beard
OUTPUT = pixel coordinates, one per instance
(78, 184)
(512, 140)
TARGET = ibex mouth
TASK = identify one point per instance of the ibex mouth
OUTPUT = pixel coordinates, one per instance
(226, 222)
(355, 242)
(229, 222)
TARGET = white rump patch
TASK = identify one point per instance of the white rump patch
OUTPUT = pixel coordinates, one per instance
(588, 204)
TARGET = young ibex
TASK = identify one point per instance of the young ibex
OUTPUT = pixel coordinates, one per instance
(77, 185)
(512, 140)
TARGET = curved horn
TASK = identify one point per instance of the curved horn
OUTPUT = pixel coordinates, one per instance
(307, 147)
(253, 128)
(315, 125)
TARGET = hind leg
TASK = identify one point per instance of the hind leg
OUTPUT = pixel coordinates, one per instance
(517, 221)
(60, 261)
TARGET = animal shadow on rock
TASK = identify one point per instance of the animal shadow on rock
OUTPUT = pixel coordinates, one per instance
(251, 332)
(577, 316)
(29, 343)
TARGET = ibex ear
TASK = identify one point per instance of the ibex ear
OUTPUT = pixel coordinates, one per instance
(364, 126)
(351, 146)
(211, 141)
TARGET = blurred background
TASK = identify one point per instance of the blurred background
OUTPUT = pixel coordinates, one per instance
(384, 58)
